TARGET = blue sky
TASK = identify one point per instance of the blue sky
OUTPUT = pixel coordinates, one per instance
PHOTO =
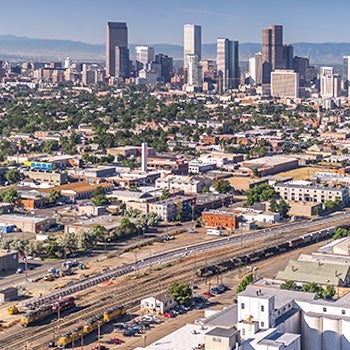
(161, 21)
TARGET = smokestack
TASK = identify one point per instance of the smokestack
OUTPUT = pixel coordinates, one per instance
(144, 157)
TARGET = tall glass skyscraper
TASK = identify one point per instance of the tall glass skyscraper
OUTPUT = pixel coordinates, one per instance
(117, 53)
(227, 60)
(272, 46)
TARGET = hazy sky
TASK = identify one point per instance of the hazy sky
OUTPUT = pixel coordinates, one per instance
(161, 21)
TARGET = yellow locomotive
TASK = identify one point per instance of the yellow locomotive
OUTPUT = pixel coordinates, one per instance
(89, 326)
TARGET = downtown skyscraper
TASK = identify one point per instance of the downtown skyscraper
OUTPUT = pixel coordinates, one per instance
(227, 60)
(272, 46)
(117, 53)
(192, 42)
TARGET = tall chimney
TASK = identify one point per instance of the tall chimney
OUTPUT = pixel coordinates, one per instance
(144, 157)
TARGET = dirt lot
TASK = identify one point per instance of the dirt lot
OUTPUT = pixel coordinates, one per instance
(305, 172)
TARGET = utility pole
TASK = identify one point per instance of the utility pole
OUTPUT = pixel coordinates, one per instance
(82, 338)
(98, 333)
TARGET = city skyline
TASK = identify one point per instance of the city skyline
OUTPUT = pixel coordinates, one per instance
(162, 22)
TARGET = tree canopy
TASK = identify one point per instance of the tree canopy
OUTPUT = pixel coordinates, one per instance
(222, 186)
(182, 293)
(259, 193)
(243, 284)
(10, 195)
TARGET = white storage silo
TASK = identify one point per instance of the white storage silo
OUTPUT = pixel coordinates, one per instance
(345, 335)
(311, 332)
(331, 335)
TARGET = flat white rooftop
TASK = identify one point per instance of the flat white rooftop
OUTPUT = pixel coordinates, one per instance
(185, 338)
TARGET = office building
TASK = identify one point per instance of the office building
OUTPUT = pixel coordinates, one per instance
(143, 54)
(288, 54)
(284, 83)
(272, 46)
(255, 69)
(122, 62)
(301, 65)
(329, 83)
(192, 42)
(116, 48)
(194, 72)
(227, 60)
(346, 74)
(166, 66)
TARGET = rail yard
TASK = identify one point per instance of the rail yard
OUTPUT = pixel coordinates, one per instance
(109, 296)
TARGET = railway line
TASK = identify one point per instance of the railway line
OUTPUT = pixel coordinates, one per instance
(128, 293)
(343, 218)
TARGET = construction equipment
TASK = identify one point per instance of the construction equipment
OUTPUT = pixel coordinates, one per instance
(13, 310)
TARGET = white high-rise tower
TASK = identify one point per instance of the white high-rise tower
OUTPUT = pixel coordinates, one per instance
(192, 42)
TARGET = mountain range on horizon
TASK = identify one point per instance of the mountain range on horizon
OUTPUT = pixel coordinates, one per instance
(14, 47)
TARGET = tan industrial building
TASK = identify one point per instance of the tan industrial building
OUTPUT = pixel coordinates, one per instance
(28, 223)
(51, 177)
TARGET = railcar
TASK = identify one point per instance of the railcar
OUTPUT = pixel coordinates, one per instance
(36, 315)
(113, 313)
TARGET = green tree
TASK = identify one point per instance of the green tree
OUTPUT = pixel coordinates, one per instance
(283, 208)
(13, 176)
(52, 249)
(243, 284)
(329, 292)
(313, 287)
(10, 195)
(50, 146)
(182, 293)
(222, 186)
(259, 193)
(273, 205)
(18, 244)
(54, 196)
(67, 243)
(332, 205)
(165, 194)
(340, 232)
(34, 248)
(99, 198)
(289, 285)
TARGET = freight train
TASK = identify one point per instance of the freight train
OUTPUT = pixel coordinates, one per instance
(264, 253)
(90, 325)
(46, 311)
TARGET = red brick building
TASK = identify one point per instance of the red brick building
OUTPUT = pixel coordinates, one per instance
(219, 219)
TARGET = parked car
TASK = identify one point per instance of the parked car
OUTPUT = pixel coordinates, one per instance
(222, 288)
(99, 347)
(130, 333)
(179, 309)
(168, 314)
(119, 327)
(115, 341)
(208, 294)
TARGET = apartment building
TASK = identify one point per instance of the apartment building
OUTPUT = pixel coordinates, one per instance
(305, 191)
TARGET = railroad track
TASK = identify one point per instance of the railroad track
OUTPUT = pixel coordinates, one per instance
(129, 295)
(40, 336)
